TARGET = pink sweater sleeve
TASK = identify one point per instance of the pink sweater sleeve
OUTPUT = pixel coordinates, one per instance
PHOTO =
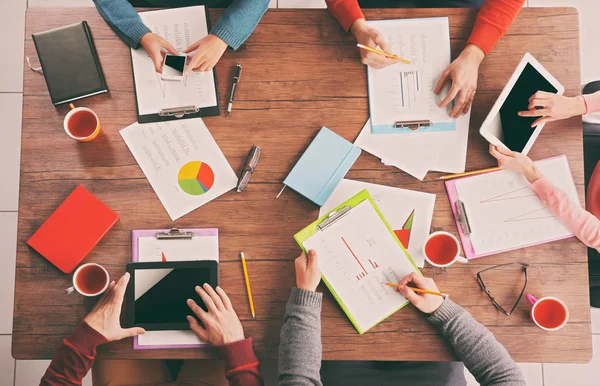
(579, 221)
(592, 102)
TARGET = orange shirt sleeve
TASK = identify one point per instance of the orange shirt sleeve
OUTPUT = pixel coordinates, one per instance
(345, 11)
(493, 20)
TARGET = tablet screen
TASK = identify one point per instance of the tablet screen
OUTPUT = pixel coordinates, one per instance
(160, 294)
(517, 130)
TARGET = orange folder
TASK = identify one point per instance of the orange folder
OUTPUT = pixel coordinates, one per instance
(73, 230)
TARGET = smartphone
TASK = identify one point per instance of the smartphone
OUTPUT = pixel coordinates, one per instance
(173, 67)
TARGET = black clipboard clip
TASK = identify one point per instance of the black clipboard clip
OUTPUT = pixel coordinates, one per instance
(462, 218)
(174, 234)
(178, 112)
(412, 125)
(333, 217)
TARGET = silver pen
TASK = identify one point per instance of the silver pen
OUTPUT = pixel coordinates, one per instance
(236, 79)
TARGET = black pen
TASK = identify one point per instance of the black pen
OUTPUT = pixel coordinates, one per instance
(236, 79)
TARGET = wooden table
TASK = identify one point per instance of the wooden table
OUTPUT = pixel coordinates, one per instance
(301, 71)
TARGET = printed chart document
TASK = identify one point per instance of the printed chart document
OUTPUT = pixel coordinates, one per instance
(404, 92)
(505, 214)
(181, 27)
(357, 255)
(408, 212)
(152, 249)
(182, 161)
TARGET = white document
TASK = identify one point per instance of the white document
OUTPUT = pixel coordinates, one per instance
(417, 153)
(181, 27)
(151, 249)
(357, 255)
(182, 161)
(408, 212)
(505, 214)
(404, 92)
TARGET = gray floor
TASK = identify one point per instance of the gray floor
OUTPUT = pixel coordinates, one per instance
(12, 16)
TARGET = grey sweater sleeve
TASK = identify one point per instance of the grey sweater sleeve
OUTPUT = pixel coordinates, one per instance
(300, 349)
(476, 346)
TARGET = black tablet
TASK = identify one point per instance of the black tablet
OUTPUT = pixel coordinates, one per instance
(157, 292)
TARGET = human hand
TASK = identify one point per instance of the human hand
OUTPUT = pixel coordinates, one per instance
(371, 37)
(104, 317)
(154, 46)
(426, 303)
(553, 107)
(308, 274)
(221, 324)
(463, 73)
(209, 50)
(516, 162)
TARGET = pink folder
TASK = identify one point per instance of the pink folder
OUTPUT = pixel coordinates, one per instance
(135, 235)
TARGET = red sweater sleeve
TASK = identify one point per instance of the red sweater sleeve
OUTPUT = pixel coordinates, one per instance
(493, 20)
(74, 357)
(241, 365)
(345, 11)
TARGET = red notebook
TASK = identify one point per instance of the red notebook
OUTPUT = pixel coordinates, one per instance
(73, 230)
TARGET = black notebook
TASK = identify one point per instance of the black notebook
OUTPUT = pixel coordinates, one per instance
(70, 63)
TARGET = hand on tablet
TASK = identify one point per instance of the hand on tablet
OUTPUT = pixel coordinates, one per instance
(516, 162)
(463, 72)
(551, 107)
(155, 46)
(221, 324)
(104, 317)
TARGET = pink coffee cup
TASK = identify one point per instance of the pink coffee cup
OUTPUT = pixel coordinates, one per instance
(548, 313)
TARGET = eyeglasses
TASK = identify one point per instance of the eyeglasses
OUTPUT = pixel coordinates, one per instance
(484, 288)
(248, 169)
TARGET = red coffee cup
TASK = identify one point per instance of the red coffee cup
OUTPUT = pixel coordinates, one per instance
(90, 279)
(442, 249)
(548, 313)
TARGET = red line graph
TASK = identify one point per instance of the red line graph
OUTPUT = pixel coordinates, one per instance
(502, 197)
(520, 217)
(358, 261)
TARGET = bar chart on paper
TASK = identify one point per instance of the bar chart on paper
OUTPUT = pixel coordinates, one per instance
(357, 256)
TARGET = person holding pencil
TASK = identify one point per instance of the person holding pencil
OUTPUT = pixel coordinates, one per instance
(493, 20)
(300, 351)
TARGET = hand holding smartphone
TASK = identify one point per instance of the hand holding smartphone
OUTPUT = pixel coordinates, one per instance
(173, 66)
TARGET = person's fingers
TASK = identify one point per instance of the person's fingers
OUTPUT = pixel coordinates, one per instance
(409, 294)
(451, 94)
(442, 81)
(495, 153)
(540, 121)
(214, 296)
(134, 331)
(312, 259)
(424, 282)
(505, 151)
(197, 328)
(210, 305)
(169, 47)
(206, 66)
(157, 59)
(469, 102)
(539, 95)
(191, 48)
(536, 102)
(301, 261)
(121, 285)
(531, 113)
(408, 278)
(382, 42)
(459, 104)
(196, 309)
(225, 298)
(111, 285)
(192, 64)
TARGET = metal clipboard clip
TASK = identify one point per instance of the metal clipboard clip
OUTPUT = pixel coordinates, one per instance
(174, 234)
(462, 218)
(412, 125)
(333, 217)
(178, 112)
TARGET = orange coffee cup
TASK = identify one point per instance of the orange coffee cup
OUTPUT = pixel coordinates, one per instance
(82, 124)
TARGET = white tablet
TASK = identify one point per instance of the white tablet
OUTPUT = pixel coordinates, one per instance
(503, 126)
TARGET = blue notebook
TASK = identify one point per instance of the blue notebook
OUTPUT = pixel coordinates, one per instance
(322, 166)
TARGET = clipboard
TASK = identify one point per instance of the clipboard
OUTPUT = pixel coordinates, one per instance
(335, 215)
(168, 234)
(178, 112)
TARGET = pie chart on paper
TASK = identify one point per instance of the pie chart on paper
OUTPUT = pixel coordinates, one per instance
(196, 178)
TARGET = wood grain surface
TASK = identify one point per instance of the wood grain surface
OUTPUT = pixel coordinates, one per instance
(301, 71)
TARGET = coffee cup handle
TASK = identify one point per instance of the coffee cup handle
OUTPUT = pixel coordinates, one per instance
(461, 259)
(70, 290)
(532, 300)
(72, 106)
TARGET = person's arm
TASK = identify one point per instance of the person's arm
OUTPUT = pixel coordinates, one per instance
(493, 20)
(123, 19)
(592, 102)
(473, 344)
(300, 348)
(223, 329)
(236, 24)
(345, 11)
(76, 353)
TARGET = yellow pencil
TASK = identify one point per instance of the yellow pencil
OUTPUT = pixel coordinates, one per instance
(375, 50)
(451, 176)
(248, 284)
(423, 291)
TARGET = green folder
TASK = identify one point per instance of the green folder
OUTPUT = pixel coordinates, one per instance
(310, 230)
